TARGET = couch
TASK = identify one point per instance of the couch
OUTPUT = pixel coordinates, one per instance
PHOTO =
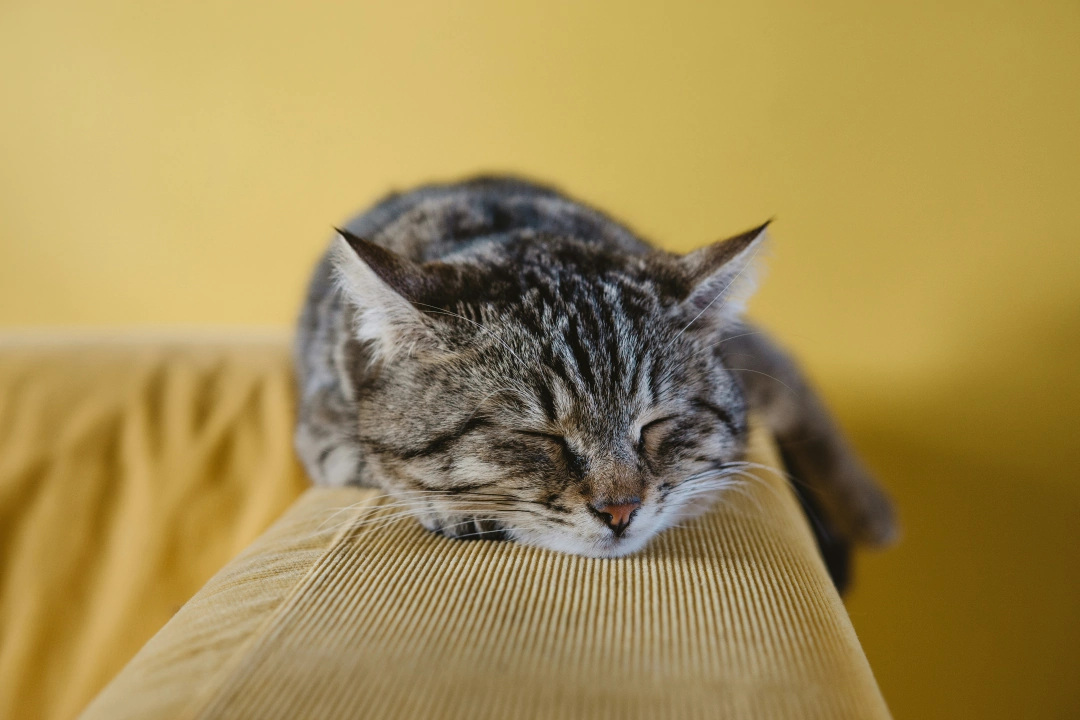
(149, 498)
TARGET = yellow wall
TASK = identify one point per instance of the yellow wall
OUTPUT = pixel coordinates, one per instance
(182, 163)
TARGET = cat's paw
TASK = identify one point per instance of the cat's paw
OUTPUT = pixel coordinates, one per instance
(869, 516)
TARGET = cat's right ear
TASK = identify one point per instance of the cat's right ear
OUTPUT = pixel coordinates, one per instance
(721, 277)
(383, 286)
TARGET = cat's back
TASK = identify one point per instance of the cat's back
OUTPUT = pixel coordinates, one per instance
(434, 221)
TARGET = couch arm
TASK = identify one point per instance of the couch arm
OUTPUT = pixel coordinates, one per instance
(341, 611)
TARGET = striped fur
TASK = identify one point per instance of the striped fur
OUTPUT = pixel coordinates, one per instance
(504, 360)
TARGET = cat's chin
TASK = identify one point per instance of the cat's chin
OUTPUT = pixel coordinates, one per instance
(601, 547)
(602, 544)
(609, 547)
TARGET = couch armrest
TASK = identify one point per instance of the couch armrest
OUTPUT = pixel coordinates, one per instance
(339, 611)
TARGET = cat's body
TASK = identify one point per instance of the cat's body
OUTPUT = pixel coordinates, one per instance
(507, 362)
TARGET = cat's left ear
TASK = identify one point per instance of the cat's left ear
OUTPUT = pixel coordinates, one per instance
(721, 277)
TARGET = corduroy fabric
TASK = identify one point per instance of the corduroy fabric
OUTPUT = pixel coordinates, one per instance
(343, 610)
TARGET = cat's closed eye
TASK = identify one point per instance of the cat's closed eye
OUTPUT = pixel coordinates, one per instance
(575, 464)
(652, 434)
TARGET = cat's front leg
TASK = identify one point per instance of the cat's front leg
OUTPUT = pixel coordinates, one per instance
(323, 442)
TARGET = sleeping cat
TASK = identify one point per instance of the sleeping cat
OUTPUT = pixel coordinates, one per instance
(506, 362)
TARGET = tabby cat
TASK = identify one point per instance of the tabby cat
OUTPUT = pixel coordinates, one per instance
(509, 363)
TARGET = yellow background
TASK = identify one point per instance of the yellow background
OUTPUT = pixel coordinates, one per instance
(182, 163)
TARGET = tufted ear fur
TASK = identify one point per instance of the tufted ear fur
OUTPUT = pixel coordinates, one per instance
(383, 286)
(721, 277)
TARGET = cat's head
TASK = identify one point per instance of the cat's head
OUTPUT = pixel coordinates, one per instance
(548, 390)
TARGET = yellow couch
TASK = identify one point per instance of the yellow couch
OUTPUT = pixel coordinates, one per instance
(131, 470)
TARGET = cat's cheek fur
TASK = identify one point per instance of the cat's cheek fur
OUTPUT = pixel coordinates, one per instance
(472, 470)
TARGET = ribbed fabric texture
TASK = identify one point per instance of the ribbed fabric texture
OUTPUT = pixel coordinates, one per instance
(344, 611)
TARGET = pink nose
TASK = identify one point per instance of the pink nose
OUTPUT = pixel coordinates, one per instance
(616, 516)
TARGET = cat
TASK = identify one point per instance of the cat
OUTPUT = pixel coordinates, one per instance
(509, 363)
